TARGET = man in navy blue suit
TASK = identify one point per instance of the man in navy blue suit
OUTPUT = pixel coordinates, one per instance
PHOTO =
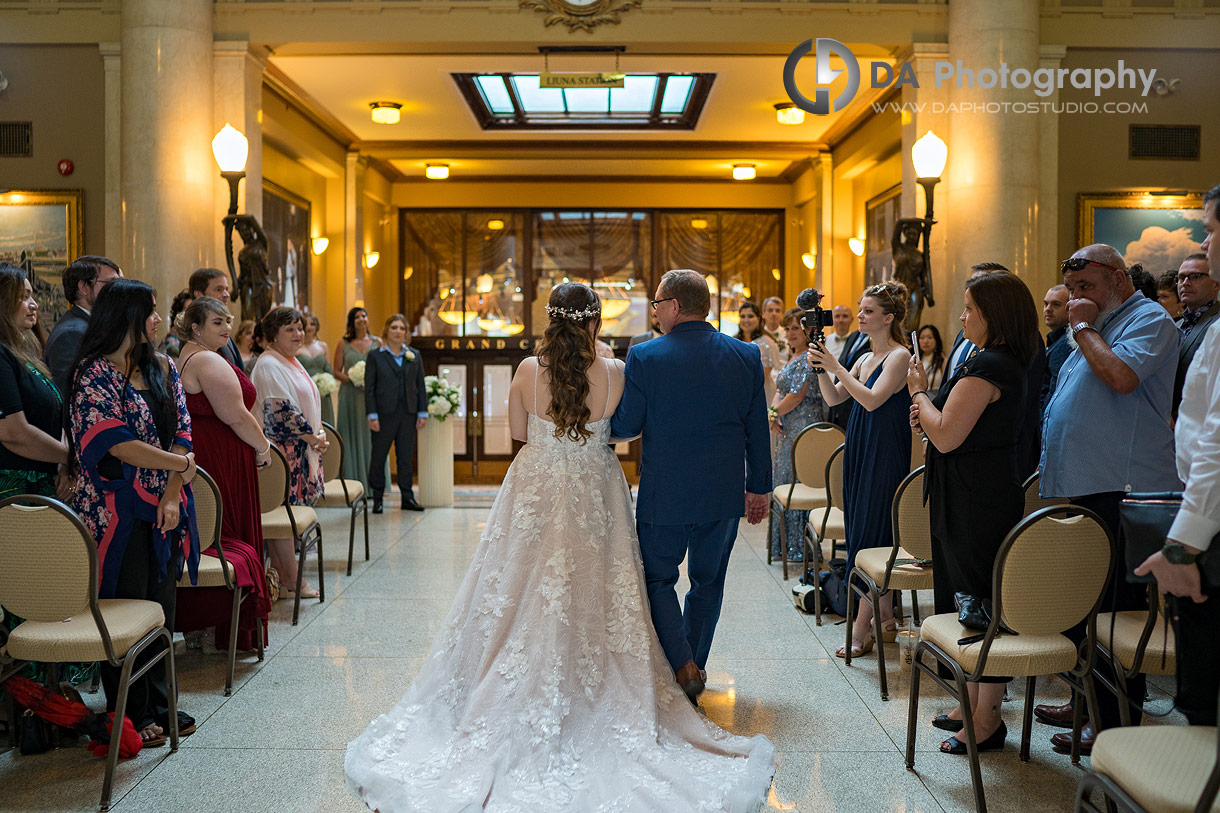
(697, 398)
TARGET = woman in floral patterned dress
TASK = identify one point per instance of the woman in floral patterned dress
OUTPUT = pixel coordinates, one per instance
(132, 434)
(291, 410)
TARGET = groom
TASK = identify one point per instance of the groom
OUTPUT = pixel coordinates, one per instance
(697, 397)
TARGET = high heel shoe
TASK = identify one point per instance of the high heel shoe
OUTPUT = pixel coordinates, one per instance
(993, 743)
(864, 648)
(889, 631)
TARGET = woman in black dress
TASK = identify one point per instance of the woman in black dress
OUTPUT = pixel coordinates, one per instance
(972, 480)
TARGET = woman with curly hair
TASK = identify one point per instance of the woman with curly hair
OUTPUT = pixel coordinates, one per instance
(878, 444)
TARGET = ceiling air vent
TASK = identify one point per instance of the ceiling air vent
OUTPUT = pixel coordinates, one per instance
(1173, 142)
(16, 139)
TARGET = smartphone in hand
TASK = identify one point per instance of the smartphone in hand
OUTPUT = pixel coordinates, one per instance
(914, 344)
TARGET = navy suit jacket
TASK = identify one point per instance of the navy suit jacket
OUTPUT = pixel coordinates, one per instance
(63, 345)
(697, 397)
(386, 385)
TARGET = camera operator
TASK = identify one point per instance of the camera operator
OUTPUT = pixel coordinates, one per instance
(878, 444)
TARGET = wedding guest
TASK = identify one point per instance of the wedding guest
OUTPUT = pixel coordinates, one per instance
(244, 337)
(1167, 293)
(352, 421)
(796, 404)
(1194, 607)
(130, 426)
(855, 345)
(171, 345)
(292, 418)
(230, 445)
(1110, 408)
(83, 280)
(972, 426)
(878, 443)
(397, 408)
(932, 355)
(750, 322)
(654, 330)
(836, 340)
(1197, 292)
(773, 314)
(1055, 316)
(32, 447)
(963, 347)
(315, 358)
(215, 283)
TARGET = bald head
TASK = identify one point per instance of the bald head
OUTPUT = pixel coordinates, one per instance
(842, 320)
(1104, 254)
(1104, 280)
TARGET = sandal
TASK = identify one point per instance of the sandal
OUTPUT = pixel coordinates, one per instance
(946, 723)
(889, 631)
(858, 648)
(993, 743)
(186, 724)
(153, 740)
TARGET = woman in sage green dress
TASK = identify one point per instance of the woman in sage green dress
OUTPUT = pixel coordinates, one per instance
(315, 358)
(353, 422)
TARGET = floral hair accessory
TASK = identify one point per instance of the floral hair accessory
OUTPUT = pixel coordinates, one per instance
(582, 315)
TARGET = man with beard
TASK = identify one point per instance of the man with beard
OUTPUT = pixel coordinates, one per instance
(1107, 430)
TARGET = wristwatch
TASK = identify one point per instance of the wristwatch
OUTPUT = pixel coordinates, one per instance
(1176, 554)
(1079, 326)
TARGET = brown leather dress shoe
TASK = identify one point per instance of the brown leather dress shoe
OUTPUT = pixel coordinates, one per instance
(1063, 741)
(690, 681)
(1058, 716)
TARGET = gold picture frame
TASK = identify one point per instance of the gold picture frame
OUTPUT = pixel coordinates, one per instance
(41, 231)
(1156, 230)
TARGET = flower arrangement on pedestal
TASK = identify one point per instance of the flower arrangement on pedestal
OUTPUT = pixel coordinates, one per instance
(326, 384)
(356, 374)
(443, 398)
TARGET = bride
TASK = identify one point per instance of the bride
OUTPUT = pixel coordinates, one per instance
(546, 688)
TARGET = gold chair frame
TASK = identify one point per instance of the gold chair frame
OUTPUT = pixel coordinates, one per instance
(301, 536)
(357, 504)
(125, 663)
(805, 473)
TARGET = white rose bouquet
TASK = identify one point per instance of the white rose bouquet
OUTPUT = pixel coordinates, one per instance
(356, 373)
(443, 398)
(326, 384)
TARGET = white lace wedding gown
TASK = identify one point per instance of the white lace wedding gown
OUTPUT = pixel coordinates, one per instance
(547, 689)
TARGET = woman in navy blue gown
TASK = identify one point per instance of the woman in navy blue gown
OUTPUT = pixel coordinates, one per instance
(878, 445)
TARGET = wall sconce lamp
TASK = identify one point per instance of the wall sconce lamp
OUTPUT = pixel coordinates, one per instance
(371, 258)
(809, 259)
(320, 244)
(856, 244)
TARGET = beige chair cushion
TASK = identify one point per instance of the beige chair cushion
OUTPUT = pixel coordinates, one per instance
(1163, 767)
(804, 498)
(1127, 628)
(903, 577)
(334, 493)
(276, 525)
(78, 639)
(1017, 655)
(210, 573)
(836, 527)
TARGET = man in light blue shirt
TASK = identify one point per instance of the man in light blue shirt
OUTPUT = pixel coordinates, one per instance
(1107, 430)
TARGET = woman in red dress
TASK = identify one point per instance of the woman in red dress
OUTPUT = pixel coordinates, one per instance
(230, 445)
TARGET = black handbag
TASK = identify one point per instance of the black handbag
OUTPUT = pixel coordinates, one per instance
(1146, 520)
(972, 612)
(33, 734)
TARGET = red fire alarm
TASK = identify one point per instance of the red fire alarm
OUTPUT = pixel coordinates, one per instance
(65, 167)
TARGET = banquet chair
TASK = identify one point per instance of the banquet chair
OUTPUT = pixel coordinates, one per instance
(297, 522)
(215, 571)
(904, 566)
(831, 526)
(1136, 644)
(49, 577)
(342, 493)
(1032, 501)
(1036, 603)
(811, 452)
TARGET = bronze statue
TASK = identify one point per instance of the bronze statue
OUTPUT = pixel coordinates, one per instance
(253, 284)
(911, 266)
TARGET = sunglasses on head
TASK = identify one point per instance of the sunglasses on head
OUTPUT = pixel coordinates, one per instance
(1078, 263)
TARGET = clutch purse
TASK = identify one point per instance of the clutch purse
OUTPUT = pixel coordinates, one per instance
(972, 612)
(1146, 520)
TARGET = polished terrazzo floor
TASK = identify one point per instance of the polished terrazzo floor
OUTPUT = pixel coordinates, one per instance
(277, 743)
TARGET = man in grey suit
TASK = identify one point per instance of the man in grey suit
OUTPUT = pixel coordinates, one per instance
(83, 280)
(640, 338)
(1197, 291)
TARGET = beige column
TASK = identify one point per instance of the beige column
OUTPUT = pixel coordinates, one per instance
(168, 173)
(1045, 272)
(111, 136)
(353, 231)
(237, 100)
(994, 171)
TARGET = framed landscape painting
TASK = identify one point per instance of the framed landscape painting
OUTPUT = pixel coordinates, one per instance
(41, 231)
(1157, 231)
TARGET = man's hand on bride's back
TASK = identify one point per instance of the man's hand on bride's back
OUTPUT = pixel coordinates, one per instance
(756, 507)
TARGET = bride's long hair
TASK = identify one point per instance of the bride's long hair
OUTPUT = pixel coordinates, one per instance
(567, 352)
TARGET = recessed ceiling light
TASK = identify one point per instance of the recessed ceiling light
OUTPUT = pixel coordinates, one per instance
(436, 172)
(788, 113)
(385, 112)
(743, 172)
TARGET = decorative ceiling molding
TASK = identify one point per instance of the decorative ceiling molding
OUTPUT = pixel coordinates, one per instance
(581, 15)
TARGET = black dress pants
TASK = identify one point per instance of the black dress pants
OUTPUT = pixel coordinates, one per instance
(1119, 594)
(147, 698)
(1194, 628)
(397, 428)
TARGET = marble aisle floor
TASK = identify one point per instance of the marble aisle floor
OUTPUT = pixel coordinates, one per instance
(277, 743)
